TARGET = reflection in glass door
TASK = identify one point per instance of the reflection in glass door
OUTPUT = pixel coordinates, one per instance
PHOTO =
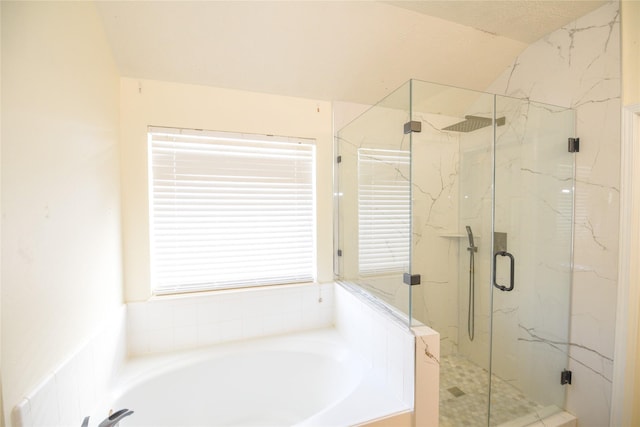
(374, 198)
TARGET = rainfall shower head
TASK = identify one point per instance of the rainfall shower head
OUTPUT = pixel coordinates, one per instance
(471, 123)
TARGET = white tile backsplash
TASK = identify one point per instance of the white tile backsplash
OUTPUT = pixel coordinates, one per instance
(185, 316)
(44, 404)
(383, 343)
(70, 393)
(174, 323)
(185, 337)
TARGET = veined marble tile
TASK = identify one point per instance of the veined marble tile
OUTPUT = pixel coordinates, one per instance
(578, 66)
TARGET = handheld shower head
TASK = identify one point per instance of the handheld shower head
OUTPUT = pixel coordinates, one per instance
(472, 246)
(472, 286)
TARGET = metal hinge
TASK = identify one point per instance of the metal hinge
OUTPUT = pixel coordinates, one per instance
(411, 279)
(574, 145)
(565, 377)
(339, 252)
(413, 126)
(339, 159)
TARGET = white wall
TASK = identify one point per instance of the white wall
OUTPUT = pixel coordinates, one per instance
(630, 11)
(61, 246)
(146, 102)
(1, 400)
(628, 328)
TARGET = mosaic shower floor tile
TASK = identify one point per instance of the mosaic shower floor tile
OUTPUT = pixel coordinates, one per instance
(464, 399)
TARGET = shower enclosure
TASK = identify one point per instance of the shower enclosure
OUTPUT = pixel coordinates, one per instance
(455, 208)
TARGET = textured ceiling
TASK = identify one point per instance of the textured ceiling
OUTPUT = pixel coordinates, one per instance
(331, 50)
(523, 20)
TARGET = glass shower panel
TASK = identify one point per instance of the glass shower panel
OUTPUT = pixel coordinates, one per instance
(533, 224)
(374, 200)
(478, 201)
(451, 240)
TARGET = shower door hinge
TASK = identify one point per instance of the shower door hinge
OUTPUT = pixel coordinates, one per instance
(574, 145)
(411, 279)
(339, 159)
(413, 126)
(565, 377)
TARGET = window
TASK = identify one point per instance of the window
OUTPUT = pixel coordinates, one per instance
(384, 210)
(230, 210)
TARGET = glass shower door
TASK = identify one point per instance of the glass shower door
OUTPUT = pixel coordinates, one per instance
(532, 259)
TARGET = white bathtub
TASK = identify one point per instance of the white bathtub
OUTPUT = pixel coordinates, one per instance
(304, 379)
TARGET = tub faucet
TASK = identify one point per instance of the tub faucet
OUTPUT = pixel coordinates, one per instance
(112, 420)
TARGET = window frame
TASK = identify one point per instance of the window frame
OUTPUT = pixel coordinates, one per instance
(308, 144)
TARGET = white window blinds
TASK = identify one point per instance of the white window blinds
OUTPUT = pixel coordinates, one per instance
(384, 210)
(230, 210)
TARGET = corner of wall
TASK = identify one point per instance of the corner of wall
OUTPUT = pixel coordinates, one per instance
(630, 16)
(626, 369)
(79, 385)
(2, 422)
(61, 254)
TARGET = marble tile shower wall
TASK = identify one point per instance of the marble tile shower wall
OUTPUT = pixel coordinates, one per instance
(476, 210)
(435, 245)
(578, 66)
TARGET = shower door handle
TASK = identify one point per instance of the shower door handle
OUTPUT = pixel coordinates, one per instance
(512, 261)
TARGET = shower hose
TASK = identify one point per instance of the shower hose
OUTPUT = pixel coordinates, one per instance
(472, 286)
